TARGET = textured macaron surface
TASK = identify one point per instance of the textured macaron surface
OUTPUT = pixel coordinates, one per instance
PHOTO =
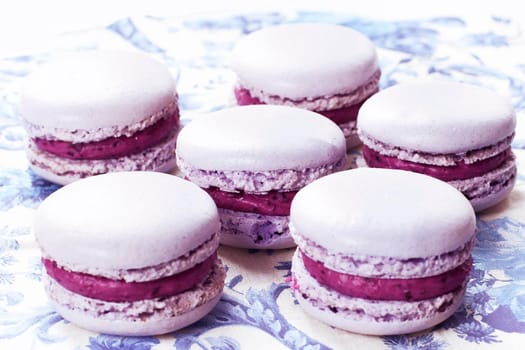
(437, 117)
(124, 220)
(260, 138)
(383, 212)
(284, 60)
(96, 89)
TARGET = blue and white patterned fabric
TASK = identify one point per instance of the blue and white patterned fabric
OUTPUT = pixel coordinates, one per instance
(257, 308)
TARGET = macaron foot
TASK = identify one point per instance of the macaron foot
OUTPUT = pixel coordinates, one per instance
(257, 231)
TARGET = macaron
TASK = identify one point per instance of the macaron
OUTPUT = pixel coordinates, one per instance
(326, 68)
(381, 251)
(95, 112)
(130, 253)
(457, 132)
(252, 160)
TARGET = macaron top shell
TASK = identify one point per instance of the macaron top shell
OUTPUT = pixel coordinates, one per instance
(437, 117)
(124, 220)
(96, 89)
(383, 212)
(260, 138)
(304, 60)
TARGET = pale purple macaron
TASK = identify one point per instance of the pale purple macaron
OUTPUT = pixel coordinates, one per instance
(95, 112)
(130, 253)
(381, 251)
(326, 68)
(456, 132)
(252, 160)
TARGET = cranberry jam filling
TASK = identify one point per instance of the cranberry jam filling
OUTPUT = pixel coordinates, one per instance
(338, 116)
(460, 171)
(409, 289)
(271, 203)
(112, 147)
(244, 97)
(106, 289)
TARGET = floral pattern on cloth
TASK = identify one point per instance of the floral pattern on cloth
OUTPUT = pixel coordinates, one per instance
(257, 308)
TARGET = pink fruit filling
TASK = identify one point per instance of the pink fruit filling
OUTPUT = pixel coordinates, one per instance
(342, 115)
(112, 147)
(460, 171)
(106, 289)
(409, 289)
(271, 203)
(244, 97)
(338, 116)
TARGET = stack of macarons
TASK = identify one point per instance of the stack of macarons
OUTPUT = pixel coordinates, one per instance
(130, 253)
(100, 111)
(381, 251)
(327, 68)
(252, 160)
(456, 132)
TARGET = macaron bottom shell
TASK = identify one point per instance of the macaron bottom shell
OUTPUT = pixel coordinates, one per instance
(488, 201)
(373, 317)
(140, 318)
(349, 130)
(123, 327)
(358, 323)
(254, 231)
(488, 190)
